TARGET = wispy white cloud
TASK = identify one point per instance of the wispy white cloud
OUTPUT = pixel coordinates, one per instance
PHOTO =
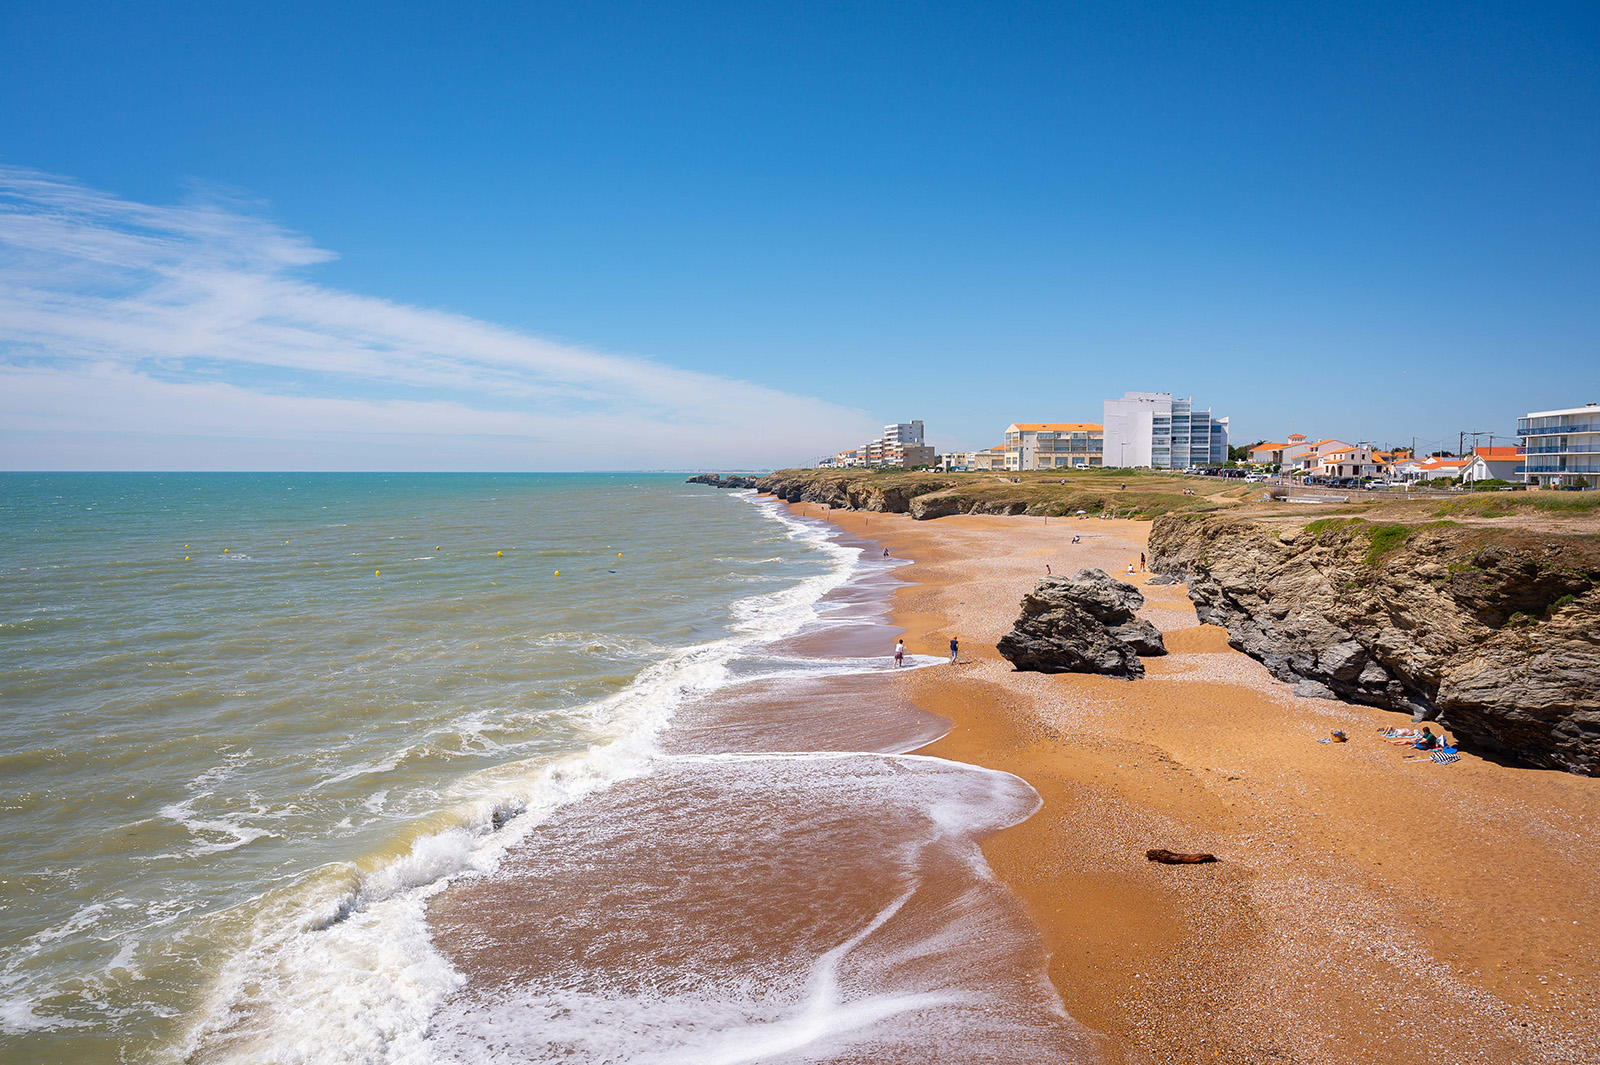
(164, 325)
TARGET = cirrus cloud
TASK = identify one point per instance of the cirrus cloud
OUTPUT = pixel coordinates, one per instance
(191, 337)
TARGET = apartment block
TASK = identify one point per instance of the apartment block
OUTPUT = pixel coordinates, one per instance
(900, 445)
(1053, 445)
(1155, 429)
(1561, 447)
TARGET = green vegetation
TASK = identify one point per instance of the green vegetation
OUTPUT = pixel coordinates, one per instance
(1381, 539)
(1386, 538)
(1322, 525)
(1499, 504)
(1049, 493)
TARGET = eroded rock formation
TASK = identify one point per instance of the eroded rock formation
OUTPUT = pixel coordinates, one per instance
(1496, 633)
(1082, 624)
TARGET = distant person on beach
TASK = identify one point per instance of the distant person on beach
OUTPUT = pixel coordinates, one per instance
(1427, 741)
(954, 647)
(1047, 572)
(1141, 562)
(1130, 569)
(899, 653)
(1077, 539)
(886, 552)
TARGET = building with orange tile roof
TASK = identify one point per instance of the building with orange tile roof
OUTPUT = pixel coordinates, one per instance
(1054, 445)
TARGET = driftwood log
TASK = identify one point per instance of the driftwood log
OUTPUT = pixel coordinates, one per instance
(1174, 858)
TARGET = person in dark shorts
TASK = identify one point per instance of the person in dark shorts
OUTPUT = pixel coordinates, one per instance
(954, 647)
(899, 653)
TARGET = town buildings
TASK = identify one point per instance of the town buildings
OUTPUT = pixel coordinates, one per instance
(1282, 453)
(1438, 468)
(1154, 429)
(1562, 446)
(990, 458)
(1053, 445)
(900, 445)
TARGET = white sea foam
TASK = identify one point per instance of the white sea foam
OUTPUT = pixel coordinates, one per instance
(348, 971)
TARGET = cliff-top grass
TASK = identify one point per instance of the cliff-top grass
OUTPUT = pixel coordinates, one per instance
(1057, 493)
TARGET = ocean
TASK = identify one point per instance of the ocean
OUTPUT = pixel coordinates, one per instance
(428, 768)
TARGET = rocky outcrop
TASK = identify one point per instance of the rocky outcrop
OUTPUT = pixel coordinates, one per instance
(1082, 624)
(717, 480)
(925, 495)
(1495, 633)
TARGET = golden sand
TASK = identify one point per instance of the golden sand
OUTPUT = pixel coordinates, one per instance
(1367, 907)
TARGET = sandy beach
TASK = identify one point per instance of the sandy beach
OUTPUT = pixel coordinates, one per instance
(1368, 906)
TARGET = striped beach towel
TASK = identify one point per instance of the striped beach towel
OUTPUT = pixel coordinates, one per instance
(1446, 757)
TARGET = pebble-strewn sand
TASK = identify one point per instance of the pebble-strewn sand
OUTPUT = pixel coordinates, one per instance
(1367, 908)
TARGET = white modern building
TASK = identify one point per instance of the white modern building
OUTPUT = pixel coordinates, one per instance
(1154, 429)
(1561, 446)
(906, 434)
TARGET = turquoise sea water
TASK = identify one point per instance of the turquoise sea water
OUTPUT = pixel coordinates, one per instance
(235, 708)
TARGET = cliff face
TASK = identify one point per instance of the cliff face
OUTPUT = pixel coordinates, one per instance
(1494, 633)
(926, 495)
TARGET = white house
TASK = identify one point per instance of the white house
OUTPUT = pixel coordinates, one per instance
(1432, 469)
(1311, 458)
(1494, 463)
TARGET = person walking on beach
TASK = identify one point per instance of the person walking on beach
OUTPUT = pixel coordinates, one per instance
(899, 653)
(954, 647)
(1141, 562)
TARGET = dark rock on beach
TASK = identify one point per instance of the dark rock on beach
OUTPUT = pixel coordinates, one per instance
(1082, 624)
(1494, 633)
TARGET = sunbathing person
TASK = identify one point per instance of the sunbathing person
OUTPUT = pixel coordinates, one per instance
(1427, 741)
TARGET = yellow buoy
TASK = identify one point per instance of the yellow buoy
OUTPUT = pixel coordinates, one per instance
(186, 547)
(186, 558)
(558, 573)
(224, 550)
(376, 572)
(286, 541)
(436, 549)
(498, 554)
(619, 554)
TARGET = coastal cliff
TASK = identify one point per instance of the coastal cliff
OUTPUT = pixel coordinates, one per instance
(926, 495)
(1493, 632)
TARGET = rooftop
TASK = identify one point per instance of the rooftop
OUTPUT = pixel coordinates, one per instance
(1055, 427)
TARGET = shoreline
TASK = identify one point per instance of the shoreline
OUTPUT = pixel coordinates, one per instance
(786, 872)
(1365, 908)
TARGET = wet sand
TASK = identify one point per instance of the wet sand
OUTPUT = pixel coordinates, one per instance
(783, 881)
(1368, 907)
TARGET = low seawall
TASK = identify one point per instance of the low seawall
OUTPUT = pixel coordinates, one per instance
(1495, 633)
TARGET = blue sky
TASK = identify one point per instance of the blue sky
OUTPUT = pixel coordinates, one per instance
(562, 236)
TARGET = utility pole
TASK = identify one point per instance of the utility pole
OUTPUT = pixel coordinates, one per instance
(1461, 440)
